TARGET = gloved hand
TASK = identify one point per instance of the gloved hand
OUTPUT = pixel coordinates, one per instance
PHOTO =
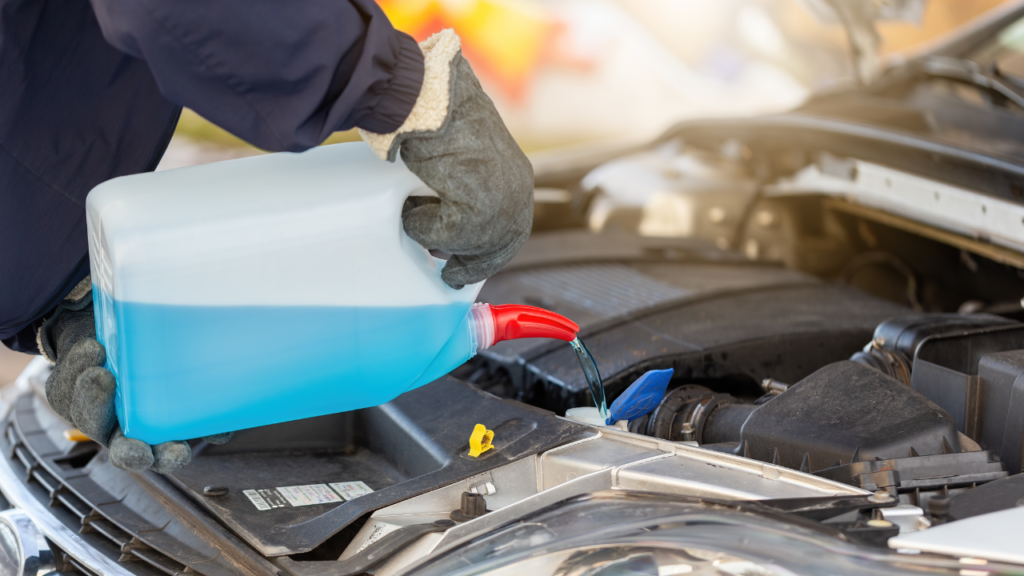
(456, 142)
(82, 391)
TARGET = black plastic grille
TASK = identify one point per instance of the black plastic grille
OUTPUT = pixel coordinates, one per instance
(66, 565)
(98, 529)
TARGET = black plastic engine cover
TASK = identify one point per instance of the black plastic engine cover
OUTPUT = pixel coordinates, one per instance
(416, 443)
(906, 334)
(919, 473)
(1001, 409)
(992, 497)
(973, 367)
(644, 306)
(845, 412)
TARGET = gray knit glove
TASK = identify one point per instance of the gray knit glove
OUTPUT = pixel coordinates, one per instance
(456, 142)
(82, 391)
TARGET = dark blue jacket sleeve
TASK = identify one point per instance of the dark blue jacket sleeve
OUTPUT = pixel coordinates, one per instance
(74, 112)
(280, 74)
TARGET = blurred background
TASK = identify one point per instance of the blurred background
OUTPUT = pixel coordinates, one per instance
(565, 72)
(588, 72)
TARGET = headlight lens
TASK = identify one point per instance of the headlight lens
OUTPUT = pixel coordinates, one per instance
(636, 561)
(23, 549)
(617, 533)
(10, 555)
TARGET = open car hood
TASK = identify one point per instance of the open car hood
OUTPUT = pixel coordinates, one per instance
(859, 18)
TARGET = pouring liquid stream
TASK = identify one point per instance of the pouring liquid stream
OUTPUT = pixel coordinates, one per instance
(593, 376)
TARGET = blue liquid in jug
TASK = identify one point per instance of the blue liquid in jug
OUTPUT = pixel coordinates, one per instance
(189, 371)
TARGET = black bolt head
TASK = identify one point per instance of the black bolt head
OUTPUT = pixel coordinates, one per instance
(215, 490)
(473, 506)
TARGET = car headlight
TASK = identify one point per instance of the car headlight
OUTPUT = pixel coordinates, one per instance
(23, 549)
(619, 533)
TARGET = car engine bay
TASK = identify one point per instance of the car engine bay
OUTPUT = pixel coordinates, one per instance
(856, 373)
(787, 370)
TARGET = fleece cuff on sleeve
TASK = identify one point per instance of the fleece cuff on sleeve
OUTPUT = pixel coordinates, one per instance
(431, 108)
(400, 96)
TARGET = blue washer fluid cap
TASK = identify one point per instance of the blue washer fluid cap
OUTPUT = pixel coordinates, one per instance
(641, 397)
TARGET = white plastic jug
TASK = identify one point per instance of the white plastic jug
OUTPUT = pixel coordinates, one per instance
(267, 289)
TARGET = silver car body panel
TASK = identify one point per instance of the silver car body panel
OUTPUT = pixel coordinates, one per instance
(994, 536)
(930, 202)
(606, 459)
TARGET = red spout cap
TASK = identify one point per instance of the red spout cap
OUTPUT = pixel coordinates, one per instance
(492, 324)
(512, 321)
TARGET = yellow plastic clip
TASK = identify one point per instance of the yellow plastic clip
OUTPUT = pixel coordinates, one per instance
(75, 435)
(480, 440)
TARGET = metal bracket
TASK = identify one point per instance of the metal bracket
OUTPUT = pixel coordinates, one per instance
(373, 554)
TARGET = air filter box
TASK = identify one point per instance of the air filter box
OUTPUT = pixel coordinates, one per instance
(846, 412)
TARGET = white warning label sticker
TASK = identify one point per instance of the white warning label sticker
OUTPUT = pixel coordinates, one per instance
(351, 490)
(308, 495)
(266, 498)
(256, 499)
